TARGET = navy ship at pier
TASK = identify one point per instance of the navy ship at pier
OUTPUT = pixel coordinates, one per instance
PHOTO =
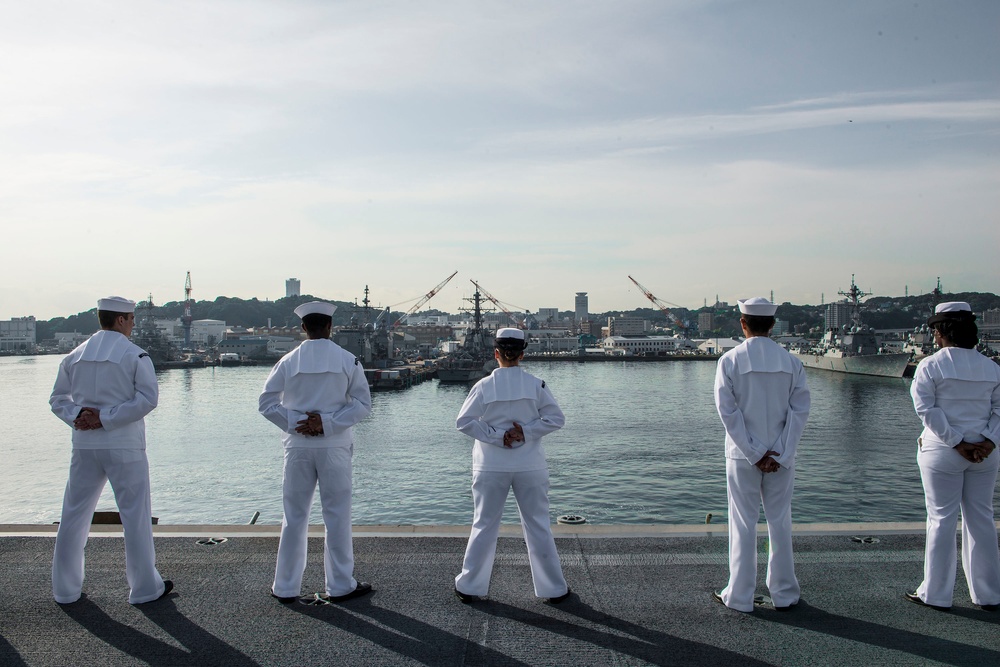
(474, 360)
(853, 348)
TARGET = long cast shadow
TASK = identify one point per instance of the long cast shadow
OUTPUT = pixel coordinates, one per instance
(203, 647)
(9, 655)
(918, 644)
(423, 642)
(653, 646)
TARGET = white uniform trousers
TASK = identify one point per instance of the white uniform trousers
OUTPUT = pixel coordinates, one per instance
(952, 483)
(489, 493)
(330, 467)
(89, 471)
(747, 488)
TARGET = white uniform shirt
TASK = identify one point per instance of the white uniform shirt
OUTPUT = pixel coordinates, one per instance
(317, 376)
(110, 373)
(506, 396)
(762, 398)
(956, 394)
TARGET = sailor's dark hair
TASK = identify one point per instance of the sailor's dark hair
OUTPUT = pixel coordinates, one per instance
(315, 323)
(959, 331)
(758, 325)
(510, 348)
(107, 318)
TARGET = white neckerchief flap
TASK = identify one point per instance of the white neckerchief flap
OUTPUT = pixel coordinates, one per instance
(956, 363)
(762, 355)
(509, 384)
(316, 356)
(105, 345)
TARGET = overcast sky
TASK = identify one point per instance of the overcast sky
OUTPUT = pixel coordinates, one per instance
(705, 147)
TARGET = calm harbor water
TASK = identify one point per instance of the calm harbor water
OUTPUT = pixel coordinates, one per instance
(642, 444)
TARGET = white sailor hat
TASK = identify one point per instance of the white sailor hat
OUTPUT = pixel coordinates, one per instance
(116, 304)
(510, 332)
(757, 305)
(316, 308)
(951, 310)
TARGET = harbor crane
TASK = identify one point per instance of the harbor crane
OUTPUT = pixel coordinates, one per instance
(519, 322)
(662, 305)
(424, 299)
(186, 318)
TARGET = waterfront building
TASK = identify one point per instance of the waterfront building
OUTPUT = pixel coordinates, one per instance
(278, 346)
(207, 332)
(781, 327)
(627, 326)
(293, 287)
(581, 306)
(706, 321)
(18, 335)
(718, 345)
(69, 340)
(173, 330)
(552, 344)
(244, 347)
(645, 345)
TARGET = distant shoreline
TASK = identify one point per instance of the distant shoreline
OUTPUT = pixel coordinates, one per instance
(619, 358)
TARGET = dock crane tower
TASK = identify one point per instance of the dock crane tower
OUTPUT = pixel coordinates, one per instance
(424, 299)
(519, 323)
(662, 305)
(186, 318)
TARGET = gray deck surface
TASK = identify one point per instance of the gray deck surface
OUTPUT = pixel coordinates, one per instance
(637, 601)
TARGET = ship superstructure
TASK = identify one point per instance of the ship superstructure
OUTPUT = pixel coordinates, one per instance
(853, 347)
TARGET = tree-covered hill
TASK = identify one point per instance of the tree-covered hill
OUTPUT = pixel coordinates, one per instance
(881, 312)
(235, 312)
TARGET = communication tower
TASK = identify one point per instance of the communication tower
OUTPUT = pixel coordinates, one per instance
(186, 319)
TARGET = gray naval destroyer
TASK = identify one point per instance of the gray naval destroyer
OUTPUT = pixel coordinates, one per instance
(853, 348)
(474, 360)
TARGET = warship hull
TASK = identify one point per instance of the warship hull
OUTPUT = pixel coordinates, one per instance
(882, 365)
(460, 375)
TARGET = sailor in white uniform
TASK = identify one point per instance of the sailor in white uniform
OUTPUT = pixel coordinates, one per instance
(956, 394)
(507, 413)
(315, 394)
(762, 398)
(103, 390)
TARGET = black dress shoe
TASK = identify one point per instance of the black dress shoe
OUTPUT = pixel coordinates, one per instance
(167, 587)
(717, 596)
(786, 607)
(363, 588)
(465, 597)
(990, 607)
(282, 600)
(915, 599)
(560, 598)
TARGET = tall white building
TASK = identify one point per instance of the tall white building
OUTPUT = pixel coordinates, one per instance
(837, 315)
(293, 287)
(18, 335)
(581, 307)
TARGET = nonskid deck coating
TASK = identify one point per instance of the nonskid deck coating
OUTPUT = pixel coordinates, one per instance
(638, 600)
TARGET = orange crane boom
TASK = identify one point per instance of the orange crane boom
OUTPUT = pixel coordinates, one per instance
(424, 299)
(662, 306)
(496, 302)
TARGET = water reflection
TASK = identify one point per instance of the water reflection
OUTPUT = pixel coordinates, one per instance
(642, 444)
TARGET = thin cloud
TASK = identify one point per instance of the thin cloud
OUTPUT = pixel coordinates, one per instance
(656, 134)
